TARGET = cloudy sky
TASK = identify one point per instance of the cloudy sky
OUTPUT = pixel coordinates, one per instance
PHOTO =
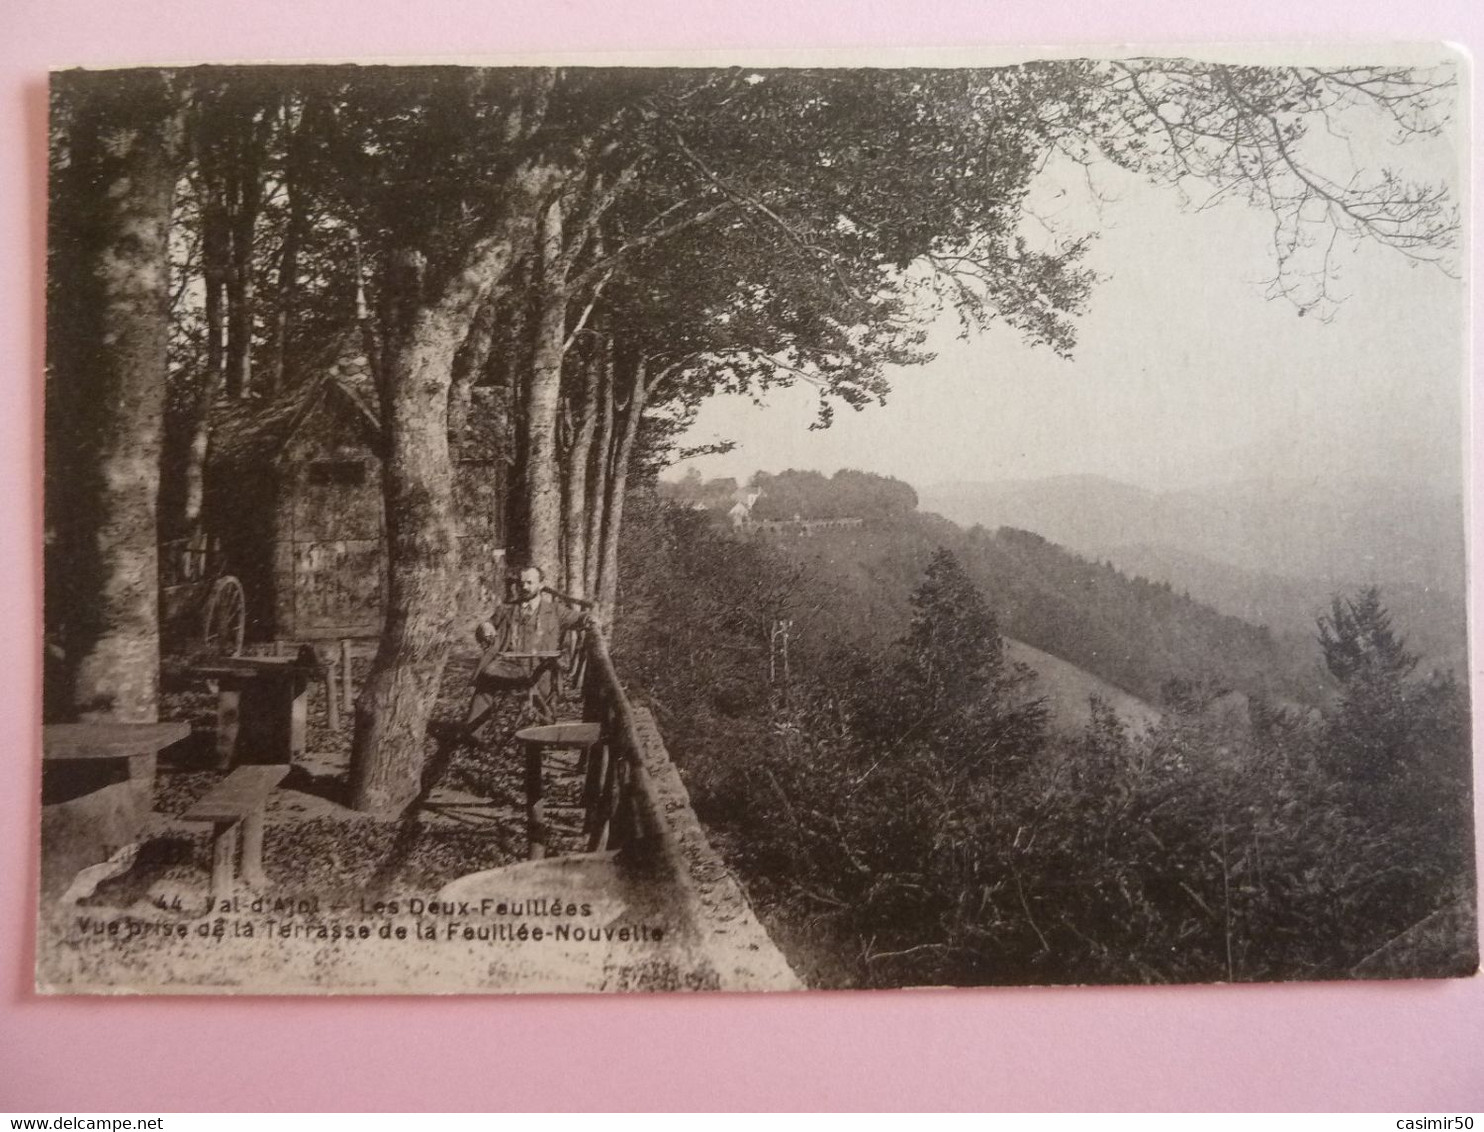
(1185, 373)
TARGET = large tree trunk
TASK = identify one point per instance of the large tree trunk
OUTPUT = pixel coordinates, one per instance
(543, 402)
(111, 374)
(392, 712)
(395, 704)
(618, 482)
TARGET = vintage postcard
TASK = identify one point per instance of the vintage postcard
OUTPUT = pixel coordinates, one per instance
(845, 521)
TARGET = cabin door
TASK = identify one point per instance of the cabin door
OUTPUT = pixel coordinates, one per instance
(338, 559)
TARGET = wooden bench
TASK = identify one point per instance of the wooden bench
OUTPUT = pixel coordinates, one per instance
(238, 800)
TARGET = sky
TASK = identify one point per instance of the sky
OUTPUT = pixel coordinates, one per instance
(1185, 372)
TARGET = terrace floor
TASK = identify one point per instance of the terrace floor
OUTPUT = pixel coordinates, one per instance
(439, 900)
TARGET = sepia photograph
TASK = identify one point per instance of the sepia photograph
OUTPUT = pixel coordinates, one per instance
(854, 521)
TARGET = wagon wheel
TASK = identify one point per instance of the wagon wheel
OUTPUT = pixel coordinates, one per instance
(224, 622)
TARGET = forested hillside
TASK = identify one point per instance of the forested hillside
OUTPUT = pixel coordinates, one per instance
(1131, 632)
(885, 779)
(1434, 615)
(1269, 551)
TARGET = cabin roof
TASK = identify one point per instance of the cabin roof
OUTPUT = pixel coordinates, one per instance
(248, 433)
(252, 432)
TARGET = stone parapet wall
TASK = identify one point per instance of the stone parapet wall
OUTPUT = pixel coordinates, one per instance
(727, 931)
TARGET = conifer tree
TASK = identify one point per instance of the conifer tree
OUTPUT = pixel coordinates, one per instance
(953, 686)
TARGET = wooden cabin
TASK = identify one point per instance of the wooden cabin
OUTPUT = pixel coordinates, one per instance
(294, 493)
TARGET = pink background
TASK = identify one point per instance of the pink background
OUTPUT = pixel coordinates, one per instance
(1415, 1047)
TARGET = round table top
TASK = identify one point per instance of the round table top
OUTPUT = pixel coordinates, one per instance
(108, 740)
(252, 667)
(562, 734)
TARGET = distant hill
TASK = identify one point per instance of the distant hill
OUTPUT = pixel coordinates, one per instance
(1433, 624)
(1131, 586)
(1267, 551)
(1356, 529)
(1081, 512)
(1130, 633)
(1259, 596)
(1134, 632)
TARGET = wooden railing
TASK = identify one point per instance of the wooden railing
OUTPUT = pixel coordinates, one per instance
(624, 810)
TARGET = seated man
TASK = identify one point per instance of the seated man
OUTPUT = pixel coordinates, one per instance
(514, 641)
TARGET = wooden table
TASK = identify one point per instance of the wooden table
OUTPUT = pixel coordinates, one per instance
(108, 740)
(535, 741)
(136, 745)
(97, 786)
(262, 707)
(537, 659)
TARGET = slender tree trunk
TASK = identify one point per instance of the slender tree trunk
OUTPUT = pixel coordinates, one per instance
(196, 452)
(216, 247)
(244, 193)
(366, 322)
(578, 458)
(125, 144)
(288, 258)
(397, 699)
(514, 365)
(470, 362)
(602, 458)
(216, 250)
(608, 583)
(543, 402)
